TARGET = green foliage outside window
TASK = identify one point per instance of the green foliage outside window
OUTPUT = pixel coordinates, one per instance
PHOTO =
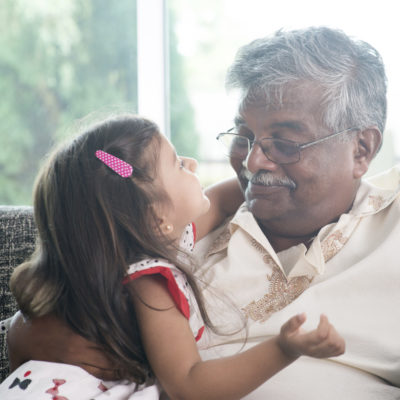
(60, 61)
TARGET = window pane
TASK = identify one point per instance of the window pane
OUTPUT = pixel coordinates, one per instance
(59, 61)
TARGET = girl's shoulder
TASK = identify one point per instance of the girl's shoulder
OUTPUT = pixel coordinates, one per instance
(177, 285)
(176, 281)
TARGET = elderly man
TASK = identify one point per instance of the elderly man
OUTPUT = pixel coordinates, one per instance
(311, 235)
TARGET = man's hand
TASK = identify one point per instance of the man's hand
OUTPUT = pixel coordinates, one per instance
(319, 343)
(49, 338)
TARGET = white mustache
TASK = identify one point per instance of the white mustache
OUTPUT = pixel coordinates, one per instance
(267, 179)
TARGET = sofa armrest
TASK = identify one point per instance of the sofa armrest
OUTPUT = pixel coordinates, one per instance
(17, 241)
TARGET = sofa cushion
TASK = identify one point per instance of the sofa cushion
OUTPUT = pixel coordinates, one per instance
(17, 240)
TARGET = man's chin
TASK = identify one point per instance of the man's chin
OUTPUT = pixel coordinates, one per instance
(264, 209)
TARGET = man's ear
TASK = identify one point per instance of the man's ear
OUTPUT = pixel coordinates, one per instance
(368, 142)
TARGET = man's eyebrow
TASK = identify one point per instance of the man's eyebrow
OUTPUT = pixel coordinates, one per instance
(293, 125)
(296, 126)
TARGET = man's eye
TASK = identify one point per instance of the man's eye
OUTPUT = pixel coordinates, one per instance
(181, 163)
(285, 148)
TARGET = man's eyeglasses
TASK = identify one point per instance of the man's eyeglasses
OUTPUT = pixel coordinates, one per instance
(280, 151)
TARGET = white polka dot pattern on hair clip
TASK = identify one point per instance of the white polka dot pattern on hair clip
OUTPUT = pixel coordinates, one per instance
(119, 166)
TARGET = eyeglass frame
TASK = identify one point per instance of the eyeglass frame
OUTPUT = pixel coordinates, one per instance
(300, 147)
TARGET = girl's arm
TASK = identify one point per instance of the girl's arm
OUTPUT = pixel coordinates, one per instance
(172, 351)
(225, 198)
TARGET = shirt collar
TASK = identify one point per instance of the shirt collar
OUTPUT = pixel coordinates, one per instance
(377, 193)
(373, 196)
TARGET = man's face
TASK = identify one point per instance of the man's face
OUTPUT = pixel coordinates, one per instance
(295, 199)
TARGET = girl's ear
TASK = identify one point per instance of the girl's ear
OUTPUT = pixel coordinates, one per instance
(166, 227)
(162, 223)
(368, 142)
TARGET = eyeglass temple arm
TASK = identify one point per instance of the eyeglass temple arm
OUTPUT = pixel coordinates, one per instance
(305, 145)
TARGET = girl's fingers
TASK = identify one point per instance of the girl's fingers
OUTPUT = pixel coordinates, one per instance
(326, 341)
(322, 342)
(329, 348)
(293, 324)
(324, 332)
(323, 327)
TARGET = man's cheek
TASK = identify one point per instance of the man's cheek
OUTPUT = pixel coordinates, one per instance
(237, 166)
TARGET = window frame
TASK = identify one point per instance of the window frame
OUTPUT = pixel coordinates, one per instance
(153, 62)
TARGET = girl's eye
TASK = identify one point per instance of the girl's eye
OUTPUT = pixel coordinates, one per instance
(181, 163)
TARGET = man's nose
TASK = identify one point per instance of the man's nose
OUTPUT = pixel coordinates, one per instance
(256, 160)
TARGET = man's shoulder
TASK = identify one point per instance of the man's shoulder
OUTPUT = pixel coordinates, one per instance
(378, 193)
(386, 180)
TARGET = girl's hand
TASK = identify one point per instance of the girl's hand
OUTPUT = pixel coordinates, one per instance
(319, 343)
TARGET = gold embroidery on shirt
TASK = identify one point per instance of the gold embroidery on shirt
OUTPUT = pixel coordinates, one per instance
(257, 245)
(376, 202)
(332, 244)
(220, 242)
(281, 292)
(268, 259)
(266, 256)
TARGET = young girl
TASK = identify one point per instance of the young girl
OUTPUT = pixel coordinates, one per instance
(114, 211)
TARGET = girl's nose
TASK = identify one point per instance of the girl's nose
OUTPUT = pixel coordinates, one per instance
(191, 163)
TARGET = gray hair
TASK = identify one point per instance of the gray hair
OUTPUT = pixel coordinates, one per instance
(350, 73)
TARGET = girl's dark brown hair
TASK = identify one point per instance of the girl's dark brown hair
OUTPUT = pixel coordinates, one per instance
(92, 224)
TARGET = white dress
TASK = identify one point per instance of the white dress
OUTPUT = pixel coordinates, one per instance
(40, 380)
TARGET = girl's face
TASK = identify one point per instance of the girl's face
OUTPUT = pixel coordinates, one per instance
(177, 176)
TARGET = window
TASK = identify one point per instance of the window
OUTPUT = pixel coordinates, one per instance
(60, 61)
(209, 32)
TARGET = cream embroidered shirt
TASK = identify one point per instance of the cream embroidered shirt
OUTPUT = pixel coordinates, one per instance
(351, 273)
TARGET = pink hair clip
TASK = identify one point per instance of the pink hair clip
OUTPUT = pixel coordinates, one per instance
(119, 166)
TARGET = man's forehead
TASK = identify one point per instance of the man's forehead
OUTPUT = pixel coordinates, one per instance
(293, 112)
(288, 97)
(292, 124)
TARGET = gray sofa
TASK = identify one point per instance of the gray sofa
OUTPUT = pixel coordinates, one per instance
(17, 240)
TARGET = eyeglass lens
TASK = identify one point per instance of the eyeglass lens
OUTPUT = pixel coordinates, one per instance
(277, 150)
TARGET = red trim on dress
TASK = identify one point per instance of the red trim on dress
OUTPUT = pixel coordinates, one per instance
(199, 334)
(177, 295)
